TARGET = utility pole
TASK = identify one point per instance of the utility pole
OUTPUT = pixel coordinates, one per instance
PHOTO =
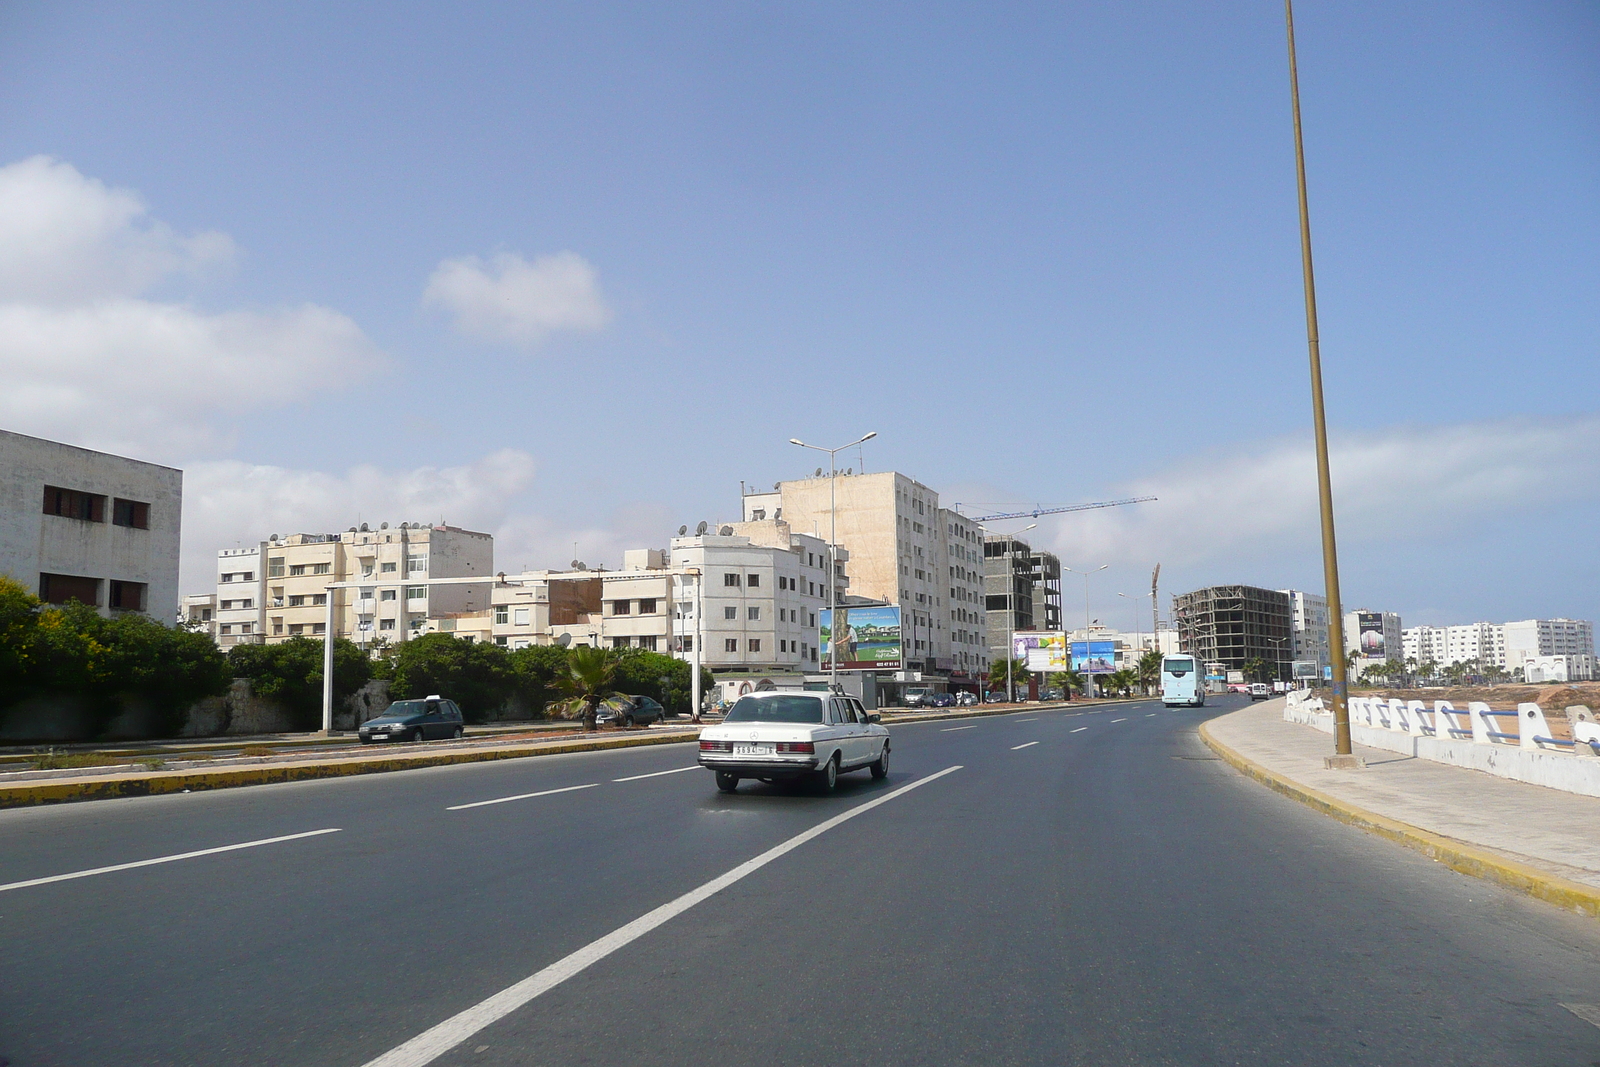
(1330, 551)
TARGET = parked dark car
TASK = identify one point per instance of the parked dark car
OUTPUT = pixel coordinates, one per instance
(629, 711)
(432, 718)
(944, 700)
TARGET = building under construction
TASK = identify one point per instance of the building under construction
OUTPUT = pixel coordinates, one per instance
(1234, 624)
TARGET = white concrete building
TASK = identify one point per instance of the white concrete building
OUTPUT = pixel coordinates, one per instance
(1375, 637)
(82, 525)
(1574, 668)
(1507, 645)
(1531, 638)
(1309, 616)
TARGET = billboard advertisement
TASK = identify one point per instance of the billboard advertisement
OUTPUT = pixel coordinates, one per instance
(1369, 628)
(1305, 668)
(1094, 657)
(1043, 651)
(869, 638)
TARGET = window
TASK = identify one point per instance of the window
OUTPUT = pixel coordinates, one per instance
(619, 642)
(366, 570)
(321, 568)
(755, 644)
(730, 644)
(783, 646)
(319, 628)
(226, 629)
(246, 627)
(730, 579)
(225, 578)
(131, 513)
(753, 580)
(385, 624)
(502, 616)
(416, 565)
(248, 576)
(387, 594)
(247, 603)
(416, 592)
(388, 568)
(274, 566)
(647, 641)
(71, 504)
(811, 559)
(813, 618)
(647, 606)
(688, 644)
(520, 616)
(754, 614)
(730, 612)
(501, 641)
(296, 629)
(297, 601)
(621, 607)
(320, 599)
(813, 586)
(297, 570)
(277, 627)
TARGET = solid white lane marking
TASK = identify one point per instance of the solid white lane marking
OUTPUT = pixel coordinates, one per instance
(953, 729)
(657, 774)
(1079, 730)
(164, 859)
(1024, 720)
(519, 796)
(435, 1042)
(1589, 1013)
(1119, 720)
(1029, 744)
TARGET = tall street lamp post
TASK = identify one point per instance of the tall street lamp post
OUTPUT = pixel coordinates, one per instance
(1330, 551)
(1088, 661)
(833, 614)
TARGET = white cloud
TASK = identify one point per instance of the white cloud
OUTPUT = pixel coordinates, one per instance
(65, 238)
(510, 300)
(229, 501)
(85, 359)
(1409, 483)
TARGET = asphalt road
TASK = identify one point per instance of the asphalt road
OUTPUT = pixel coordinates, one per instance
(1110, 894)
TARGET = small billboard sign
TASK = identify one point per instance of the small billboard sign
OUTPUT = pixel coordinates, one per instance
(1305, 668)
(1044, 650)
(1094, 657)
(869, 638)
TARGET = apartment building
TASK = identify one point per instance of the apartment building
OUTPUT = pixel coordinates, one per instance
(1008, 590)
(278, 588)
(76, 524)
(1234, 624)
(1308, 614)
(905, 551)
(1509, 646)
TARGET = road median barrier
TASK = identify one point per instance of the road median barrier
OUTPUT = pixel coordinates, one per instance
(156, 782)
(1459, 856)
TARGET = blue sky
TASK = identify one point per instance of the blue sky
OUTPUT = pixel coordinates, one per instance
(570, 272)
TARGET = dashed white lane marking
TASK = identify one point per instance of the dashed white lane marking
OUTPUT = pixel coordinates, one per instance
(519, 796)
(1151, 715)
(656, 774)
(433, 1043)
(1024, 720)
(164, 859)
(1119, 720)
(953, 729)
(1079, 730)
(1029, 744)
(1589, 1013)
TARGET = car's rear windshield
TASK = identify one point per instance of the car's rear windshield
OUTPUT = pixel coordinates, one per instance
(776, 709)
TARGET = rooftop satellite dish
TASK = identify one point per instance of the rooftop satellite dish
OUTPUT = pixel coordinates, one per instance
(775, 486)
(576, 564)
(405, 525)
(365, 528)
(274, 537)
(726, 531)
(563, 640)
(849, 470)
(699, 531)
(502, 577)
(383, 526)
(682, 530)
(819, 472)
(352, 529)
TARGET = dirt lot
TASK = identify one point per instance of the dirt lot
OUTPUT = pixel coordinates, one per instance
(1552, 698)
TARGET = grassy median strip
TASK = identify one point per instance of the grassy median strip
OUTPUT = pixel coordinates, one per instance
(1458, 856)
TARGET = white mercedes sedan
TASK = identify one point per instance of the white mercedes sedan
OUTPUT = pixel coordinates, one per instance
(786, 735)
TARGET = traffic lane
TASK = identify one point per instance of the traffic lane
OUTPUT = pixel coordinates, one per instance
(1130, 900)
(50, 839)
(332, 953)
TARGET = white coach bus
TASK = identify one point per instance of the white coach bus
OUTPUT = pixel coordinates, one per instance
(1182, 683)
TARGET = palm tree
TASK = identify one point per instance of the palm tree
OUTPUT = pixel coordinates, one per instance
(1070, 680)
(1122, 681)
(1148, 669)
(591, 678)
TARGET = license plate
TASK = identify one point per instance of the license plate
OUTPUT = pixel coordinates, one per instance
(752, 750)
(380, 737)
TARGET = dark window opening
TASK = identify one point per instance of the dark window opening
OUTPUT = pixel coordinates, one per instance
(61, 588)
(127, 596)
(71, 504)
(134, 513)
(620, 607)
(753, 581)
(647, 606)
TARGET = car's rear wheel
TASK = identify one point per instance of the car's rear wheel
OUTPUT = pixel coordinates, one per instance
(880, 767)
(628, 721)
(828, 777)
(457, 735)
(727, 782)
(418, 735)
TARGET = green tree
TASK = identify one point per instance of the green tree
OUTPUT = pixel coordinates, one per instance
(1019, 675)
(591, 677)
(1148, 670)
(641, 672)
(1122, 681)
(290, 674)
(1254, 668)
(478, 677)
(536, 673)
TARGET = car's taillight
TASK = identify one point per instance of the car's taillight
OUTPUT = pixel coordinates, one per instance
(716, 746)
(797, 746)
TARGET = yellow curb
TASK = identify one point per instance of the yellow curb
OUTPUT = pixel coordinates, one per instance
(27, 794)
(1466, 859)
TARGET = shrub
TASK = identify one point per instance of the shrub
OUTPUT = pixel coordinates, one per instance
(290, 674)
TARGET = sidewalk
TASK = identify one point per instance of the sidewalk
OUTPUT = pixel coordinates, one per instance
(1537, 840)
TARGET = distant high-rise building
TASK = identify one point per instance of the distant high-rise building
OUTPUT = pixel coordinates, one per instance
(1234, 624)
(1309, 615)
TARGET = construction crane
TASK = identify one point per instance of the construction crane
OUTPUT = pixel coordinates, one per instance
(1059, 509)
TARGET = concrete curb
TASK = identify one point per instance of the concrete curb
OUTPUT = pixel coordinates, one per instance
(155, 783)
(1458, 856)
